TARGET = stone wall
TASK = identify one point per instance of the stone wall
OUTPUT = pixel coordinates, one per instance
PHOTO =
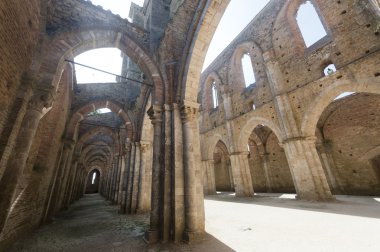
(291, 90)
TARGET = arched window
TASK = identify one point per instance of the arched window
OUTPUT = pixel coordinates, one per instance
(214, 95)
(310, 24)
(93, 178)
(249, 75)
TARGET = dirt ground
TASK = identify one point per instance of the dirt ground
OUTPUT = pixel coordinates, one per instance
(267, 222)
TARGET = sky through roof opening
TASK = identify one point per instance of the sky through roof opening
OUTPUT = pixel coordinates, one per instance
(119, 7)
(106, 59)
(240, 13)
(237, 16)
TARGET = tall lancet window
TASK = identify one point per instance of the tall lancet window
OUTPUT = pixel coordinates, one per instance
(215, 95)
(310, 24)
(249, 75)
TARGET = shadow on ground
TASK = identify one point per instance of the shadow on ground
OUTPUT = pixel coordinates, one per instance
(92, 224)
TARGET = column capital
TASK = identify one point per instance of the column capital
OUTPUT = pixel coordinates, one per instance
(144, 146)
(155, 114)
(189, 111)
(43, 98)
(128, 146)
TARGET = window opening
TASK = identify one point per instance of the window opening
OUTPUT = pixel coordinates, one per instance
(93, 178)
(249, 75)
(330, 69)
(215, 95)
(342, 95)
(310, 24)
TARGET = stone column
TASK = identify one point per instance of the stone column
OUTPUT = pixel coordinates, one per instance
(67, 168)
(117, 179)
(135, 180)
(194, 229)
(130, 178)
(155, 115)
(142, 202)
(209, 169)
(122, 177)
(305, 165)
(328, 163)
(306, 168)
(267, 172)
(241, 174)
(127, 157)
(16, 162)
(70, 182)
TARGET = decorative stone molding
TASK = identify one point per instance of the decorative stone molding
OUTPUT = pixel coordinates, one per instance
(155, 114)
(43, 98)
(189, 111)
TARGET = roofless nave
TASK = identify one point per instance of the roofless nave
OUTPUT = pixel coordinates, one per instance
(175, 134)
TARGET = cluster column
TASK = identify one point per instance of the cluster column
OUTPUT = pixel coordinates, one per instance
(305, 165)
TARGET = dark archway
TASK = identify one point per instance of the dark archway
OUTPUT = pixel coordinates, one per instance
(93, 181)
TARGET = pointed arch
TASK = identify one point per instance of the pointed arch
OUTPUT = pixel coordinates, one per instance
(327, 95)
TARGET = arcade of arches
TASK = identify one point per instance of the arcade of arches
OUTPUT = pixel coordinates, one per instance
(174, 134)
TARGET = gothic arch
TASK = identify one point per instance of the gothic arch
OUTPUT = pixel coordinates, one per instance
(207, 97)
(324, 98)
(72, 43)
(205, 31)
(81, 112)
(216, 138)
(235, 70)
(287, 16)
(92, 132)
(250, 125)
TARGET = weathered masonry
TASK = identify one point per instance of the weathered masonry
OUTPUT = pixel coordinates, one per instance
(174, 133)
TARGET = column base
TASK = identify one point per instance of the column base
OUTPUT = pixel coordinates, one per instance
(313, 197)
(190, 237)
(151, 236)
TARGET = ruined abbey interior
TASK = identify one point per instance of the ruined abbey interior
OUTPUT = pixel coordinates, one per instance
(176, 139)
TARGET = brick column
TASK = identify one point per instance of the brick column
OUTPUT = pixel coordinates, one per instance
(16, 162)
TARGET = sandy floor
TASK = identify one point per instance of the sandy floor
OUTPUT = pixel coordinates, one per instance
(268, 222)
(273, 222)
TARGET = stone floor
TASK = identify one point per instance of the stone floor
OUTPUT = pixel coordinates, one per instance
(268, 222)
